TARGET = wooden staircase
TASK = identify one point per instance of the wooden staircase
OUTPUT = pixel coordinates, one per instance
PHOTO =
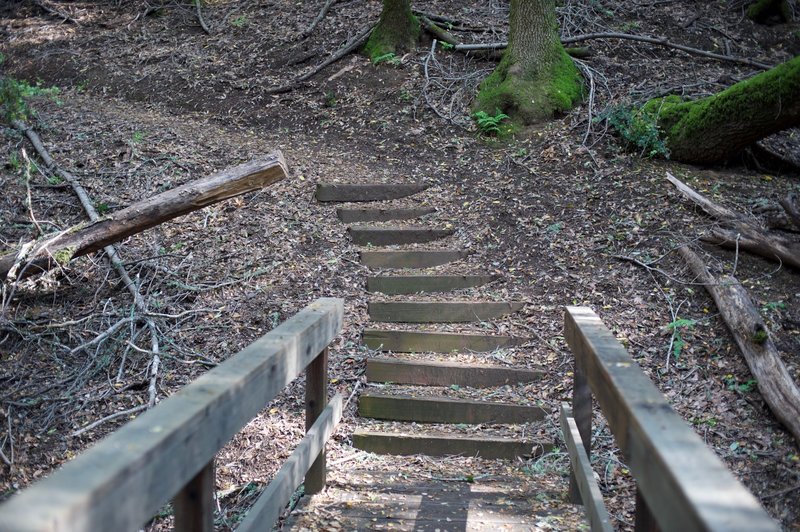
(409, 385)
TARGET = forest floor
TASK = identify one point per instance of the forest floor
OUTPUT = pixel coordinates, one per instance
(147, 100)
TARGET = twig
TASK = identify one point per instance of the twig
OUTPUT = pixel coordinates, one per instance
(660, 41)
(28, 199)
(57, 12)
(197, 4)
(115, 415)
(151, 390)
(439, 33)
(320, 16)
(352, 394)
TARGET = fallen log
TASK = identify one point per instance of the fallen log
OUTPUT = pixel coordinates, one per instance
(52, 250)
(741, 233)
(753, 338)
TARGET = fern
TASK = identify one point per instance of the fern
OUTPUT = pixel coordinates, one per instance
(488, 124)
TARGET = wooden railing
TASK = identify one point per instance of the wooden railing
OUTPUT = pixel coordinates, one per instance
(681, 484)
(168, 452)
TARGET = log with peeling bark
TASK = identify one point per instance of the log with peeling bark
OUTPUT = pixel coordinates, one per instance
(59, 249)
(741, 233)
(753, 338)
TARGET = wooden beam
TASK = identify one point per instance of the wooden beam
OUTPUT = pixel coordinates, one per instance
(411, 259)
(425, 373)
(266, 510)
(412, 284)
(444, 410)
(122, 482)
(486, 447)
(684, 483)
(349, 216)
(395, 236)
(582, 468)
(53, 250)
(433, 342)
(440, 312)
(193, 506)
(366, 192)
(316, 400)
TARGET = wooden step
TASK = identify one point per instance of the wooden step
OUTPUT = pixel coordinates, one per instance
(412, 284)
(391, 236)
(440, 312)
(410, 259)
(425, 373)
(381, 215)
(444, 410)
(366, 192)
(439, 445)
(433, 342)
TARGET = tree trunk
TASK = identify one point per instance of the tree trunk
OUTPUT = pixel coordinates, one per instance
(535, 78)
(721, 126)
(397, 30)
(762, 10)
(79, 240)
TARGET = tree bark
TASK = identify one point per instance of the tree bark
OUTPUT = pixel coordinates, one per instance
(752, 336)
(59, 249)
(397, 30)
(535, 78)
(720, 127)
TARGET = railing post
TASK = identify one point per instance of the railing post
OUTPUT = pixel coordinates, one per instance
(194, 505)
(643, 520)
(582, 413)
(316, 400)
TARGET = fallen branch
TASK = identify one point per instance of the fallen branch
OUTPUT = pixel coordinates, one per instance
(110, 417)
(742, 233)
(436, 31)
(753, 338)
(659, 41)
(351, 45)
(83, 239)
(789, 208)
(199, 12)
(320, 16)
(54, 11)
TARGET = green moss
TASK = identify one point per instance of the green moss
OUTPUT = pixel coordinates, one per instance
(761, 10)
(63, 256)
(531, 97)
(397, 31)
(760, 336)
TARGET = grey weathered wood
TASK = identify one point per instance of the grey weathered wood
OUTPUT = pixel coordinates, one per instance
(349, 216)
(582, 409)
(266, 510)
(394, 236)
(410, 259)
(366, 192)
(444, 410)
(122, 482)
(643, 518)
(432, 342)
(437, 445)
(440, 312)
(316, 399)
(582, 468)
(425, 373)
(412, 284)
(683, 482)
(193, 506)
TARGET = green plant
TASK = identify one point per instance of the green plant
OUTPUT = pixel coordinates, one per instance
(734, 386)
(14, 162)
(239, 21)
(81, 87)
(638, 127)
(14, 95)
(406, 95)
(446, 45)
(330, 99)
(679, 328)
(488, 124)
(102, 208)
(137, 137)
(390, 58)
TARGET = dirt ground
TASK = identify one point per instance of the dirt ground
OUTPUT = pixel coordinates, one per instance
(147, 100)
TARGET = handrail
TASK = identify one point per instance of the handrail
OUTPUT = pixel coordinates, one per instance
(167, 452)
(682, 484)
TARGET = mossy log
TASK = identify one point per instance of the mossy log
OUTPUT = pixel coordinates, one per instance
(57, 250)
(397, 30)
(721, 126)
(762, 10)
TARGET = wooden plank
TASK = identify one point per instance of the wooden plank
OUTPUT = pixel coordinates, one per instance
(684, 483)
(124, 480)
(444, 410)
(366, 192)
(411, 259)
(432, 342)
(349, 216)
(435, 445)
(316, 399)
(193, 506)
(440, 312)
(424, 373)
(590, 491)
(396, 236)
(412, 284)
(266, 510)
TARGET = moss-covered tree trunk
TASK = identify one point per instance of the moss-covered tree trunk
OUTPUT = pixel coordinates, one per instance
(762, 10)
(535, 78)
(719, 127)
(397, 30)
